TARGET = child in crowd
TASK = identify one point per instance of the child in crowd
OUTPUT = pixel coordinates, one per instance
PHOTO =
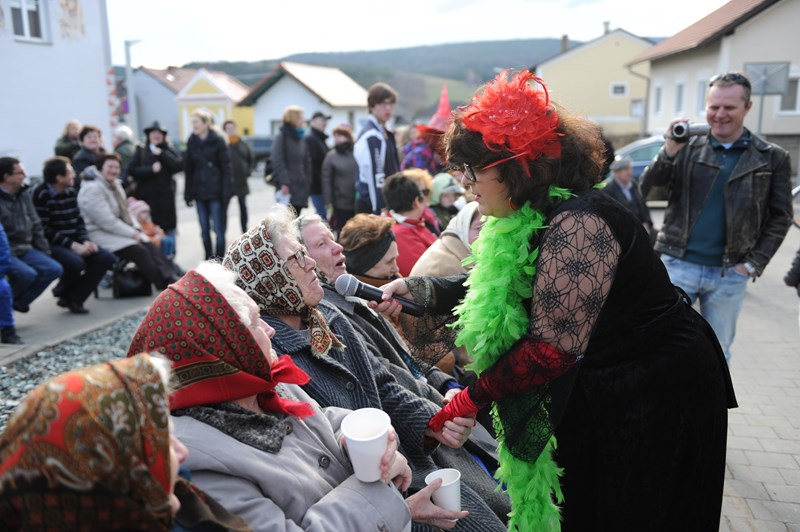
(140, 212)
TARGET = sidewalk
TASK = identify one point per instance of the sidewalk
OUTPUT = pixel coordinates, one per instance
(762, 487)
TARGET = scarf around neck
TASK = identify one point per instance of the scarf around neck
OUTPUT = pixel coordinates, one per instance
(491, 318)
(263, 274)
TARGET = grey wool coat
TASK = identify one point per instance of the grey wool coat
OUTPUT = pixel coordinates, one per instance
(307, 485)
(354, 378)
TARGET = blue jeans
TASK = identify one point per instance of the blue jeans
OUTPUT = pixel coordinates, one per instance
(30, 274)
(212, 211)
(720, 296)
(6, 304)
(319, 205)
(168, 245)
(81, 274)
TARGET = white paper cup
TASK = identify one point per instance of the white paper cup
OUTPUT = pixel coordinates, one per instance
(448, 496)
(367, 433)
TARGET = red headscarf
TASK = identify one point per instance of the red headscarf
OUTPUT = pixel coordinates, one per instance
(214, 356)
(89, 450)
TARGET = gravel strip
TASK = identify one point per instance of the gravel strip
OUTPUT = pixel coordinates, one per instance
(21, 376)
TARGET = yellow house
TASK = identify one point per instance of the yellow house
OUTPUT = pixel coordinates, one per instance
(219, 94)
(593, 80)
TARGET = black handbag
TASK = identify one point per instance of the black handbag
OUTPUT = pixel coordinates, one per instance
(128, 281)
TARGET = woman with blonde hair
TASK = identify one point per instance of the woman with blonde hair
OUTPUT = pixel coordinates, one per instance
(68, 143)
(207, 166)
(291, 160)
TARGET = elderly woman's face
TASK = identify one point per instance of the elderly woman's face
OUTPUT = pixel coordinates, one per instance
(386, 268)
(302, 267)
(263, 333)
(324, 249)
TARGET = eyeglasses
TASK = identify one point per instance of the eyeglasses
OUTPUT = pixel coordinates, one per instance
(425, 191)
(730, 77)
(469, 173)
(300, 256)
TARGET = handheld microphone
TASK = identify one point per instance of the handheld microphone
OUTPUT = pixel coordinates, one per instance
(347, 286)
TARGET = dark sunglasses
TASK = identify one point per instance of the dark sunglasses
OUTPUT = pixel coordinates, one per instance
(730, 77)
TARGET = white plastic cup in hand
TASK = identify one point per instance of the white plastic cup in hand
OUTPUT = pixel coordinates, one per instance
(367, 433)
(448, 496)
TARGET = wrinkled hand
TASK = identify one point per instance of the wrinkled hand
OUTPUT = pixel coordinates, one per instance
(452, 392)
(391, 308)
(91, 246)
(423, 510)
(394, 465)
(454, 433)
(285, 189)
(461, 405)
(157, 166)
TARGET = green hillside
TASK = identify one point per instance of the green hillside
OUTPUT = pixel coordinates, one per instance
(417, 73)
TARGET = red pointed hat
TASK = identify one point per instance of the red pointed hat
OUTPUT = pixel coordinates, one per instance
(438, 123)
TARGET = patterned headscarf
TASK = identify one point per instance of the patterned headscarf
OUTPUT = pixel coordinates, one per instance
(89, 450)
(263, 274)
(214, 356)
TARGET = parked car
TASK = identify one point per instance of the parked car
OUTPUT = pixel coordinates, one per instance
(262, 153)
(641, 153)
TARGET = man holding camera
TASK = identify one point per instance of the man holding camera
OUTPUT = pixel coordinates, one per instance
(730, 204)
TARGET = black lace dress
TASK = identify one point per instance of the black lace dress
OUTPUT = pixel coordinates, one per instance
(640, 385)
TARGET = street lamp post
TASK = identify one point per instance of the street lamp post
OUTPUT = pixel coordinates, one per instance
(133, 117)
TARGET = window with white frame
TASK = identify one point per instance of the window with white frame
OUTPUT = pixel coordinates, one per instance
(679, 98)
(790, 100)
(657, 100)
(618, 89)
(27, 19)
(701, 96)
(637, 107)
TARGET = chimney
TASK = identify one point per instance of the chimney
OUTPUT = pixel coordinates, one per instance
(564, 43)
(606, 25)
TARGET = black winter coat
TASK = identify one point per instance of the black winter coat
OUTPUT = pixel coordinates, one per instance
(291, 165)
(207, 165)
(242, 165)
(317, 148)
(157, 189)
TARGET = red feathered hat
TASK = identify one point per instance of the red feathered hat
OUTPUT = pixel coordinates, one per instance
(516, 117)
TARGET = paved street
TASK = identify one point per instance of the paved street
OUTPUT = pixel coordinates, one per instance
(762, 490)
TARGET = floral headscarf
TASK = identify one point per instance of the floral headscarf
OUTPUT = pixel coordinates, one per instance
(214, 356)
(89, 450)
(262, 273)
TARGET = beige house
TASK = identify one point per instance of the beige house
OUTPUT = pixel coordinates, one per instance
(740, 32)
(219, 94)
(314, 88)
(593, 79)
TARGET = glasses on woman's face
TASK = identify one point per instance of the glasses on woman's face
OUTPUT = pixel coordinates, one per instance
(469, 173)
(300, 256)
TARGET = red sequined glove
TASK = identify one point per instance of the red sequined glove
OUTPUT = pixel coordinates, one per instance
(461, 405)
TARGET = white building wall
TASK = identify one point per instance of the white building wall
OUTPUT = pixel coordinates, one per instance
(155, 102)
(268, 110)
(755, 41)
(50, 82)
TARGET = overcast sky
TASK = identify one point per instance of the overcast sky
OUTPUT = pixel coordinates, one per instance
(175, 32)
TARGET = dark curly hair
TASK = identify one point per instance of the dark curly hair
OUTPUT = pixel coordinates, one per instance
(578, 168)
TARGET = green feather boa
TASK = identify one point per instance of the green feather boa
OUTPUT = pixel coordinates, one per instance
(491, 318)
